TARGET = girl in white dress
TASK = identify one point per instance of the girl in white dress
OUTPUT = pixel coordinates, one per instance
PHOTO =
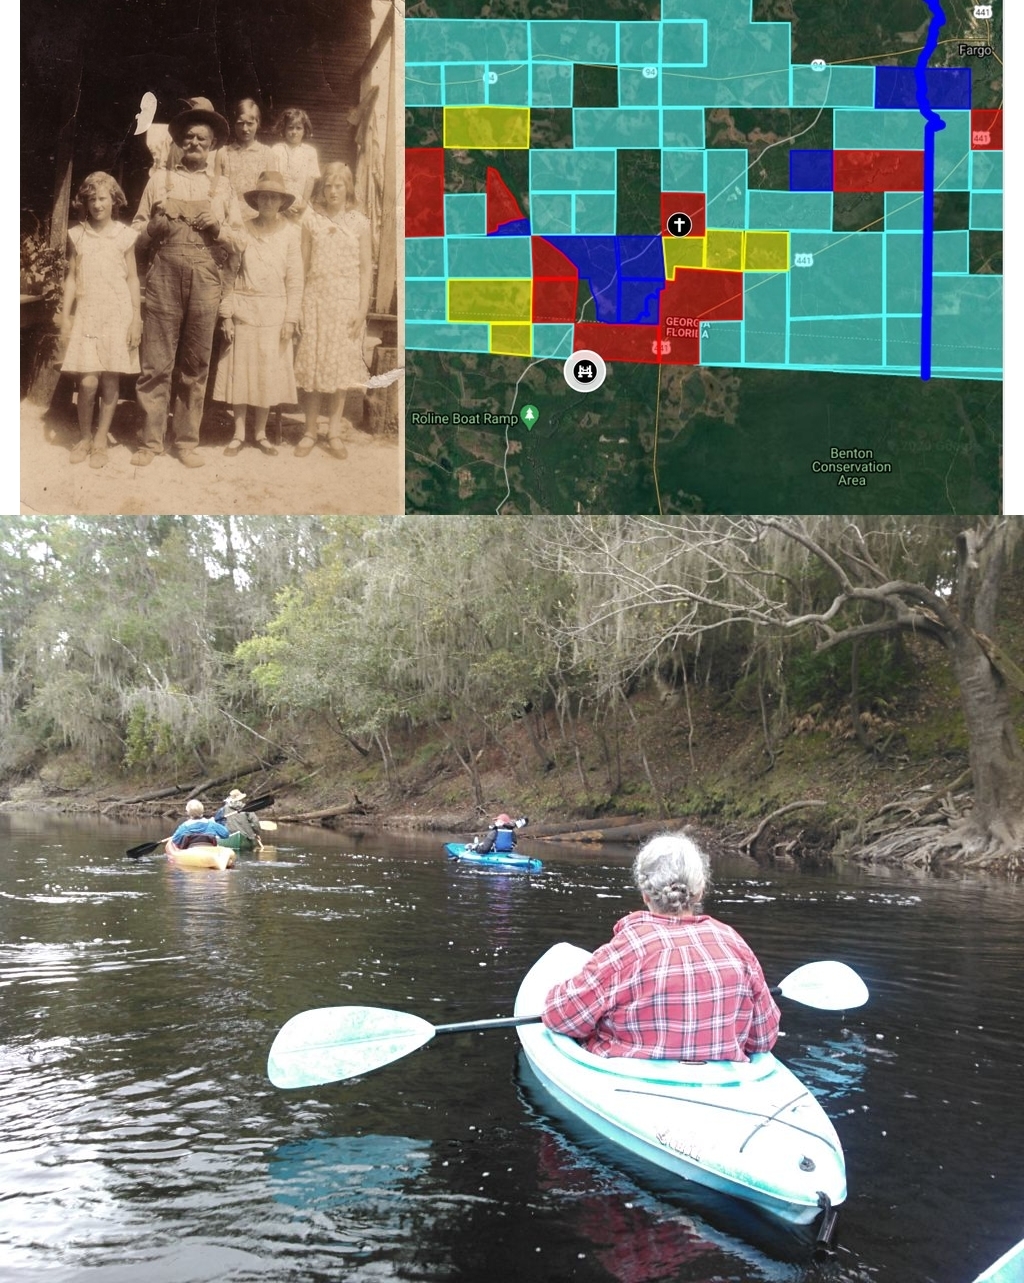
(339, 272)
(259, 316)
(296, 157)
(100, 320)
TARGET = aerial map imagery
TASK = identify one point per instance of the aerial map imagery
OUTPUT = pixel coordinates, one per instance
(707, 256)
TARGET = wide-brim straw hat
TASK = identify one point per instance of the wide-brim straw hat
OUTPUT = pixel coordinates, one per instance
(200, 112)
(273, 182)
(236, 795)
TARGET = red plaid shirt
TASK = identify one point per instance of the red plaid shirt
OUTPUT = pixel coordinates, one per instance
(668, 989)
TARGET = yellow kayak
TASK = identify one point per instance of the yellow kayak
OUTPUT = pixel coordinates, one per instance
(201, 857)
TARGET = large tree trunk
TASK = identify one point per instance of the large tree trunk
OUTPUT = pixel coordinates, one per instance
(996, 824)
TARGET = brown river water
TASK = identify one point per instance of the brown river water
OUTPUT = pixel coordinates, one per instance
(141, 1139)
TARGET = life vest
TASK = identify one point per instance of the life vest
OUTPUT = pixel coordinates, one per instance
(504, 840)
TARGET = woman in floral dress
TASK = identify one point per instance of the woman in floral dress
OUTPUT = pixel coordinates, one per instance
(329, 360)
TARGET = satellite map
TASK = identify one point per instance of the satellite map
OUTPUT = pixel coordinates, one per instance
(712, 256)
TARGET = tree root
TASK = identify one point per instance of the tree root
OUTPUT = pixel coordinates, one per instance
(951, 838)
(747, 844)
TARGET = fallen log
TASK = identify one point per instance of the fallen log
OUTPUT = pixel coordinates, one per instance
(191, 790)
(355, 807)
(614, 833)
(746, 844)
(584, 826)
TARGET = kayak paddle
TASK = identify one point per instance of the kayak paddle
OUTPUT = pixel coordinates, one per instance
(136, 852)
(829, 986)
(257, 804)
(328, 1044)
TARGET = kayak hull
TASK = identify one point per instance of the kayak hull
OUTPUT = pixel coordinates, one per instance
(1008, 1269)
(237, 842)
(465, 854)
(751, 1130)
(201, 857)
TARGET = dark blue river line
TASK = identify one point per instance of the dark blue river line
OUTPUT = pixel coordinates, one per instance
(932, 125)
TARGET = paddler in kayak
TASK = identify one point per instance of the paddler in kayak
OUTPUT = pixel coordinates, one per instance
(197, 831)
(237, 819)
(500, 836)
(673, 983)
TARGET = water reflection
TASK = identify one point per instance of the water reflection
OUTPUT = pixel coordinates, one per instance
(834, 1068)
(643, 1226)
(357, 1188)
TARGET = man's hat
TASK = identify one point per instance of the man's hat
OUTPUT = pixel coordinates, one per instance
(199, 112)
(270, 181)
(236, 795)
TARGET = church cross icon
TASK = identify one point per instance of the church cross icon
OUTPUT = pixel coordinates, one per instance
(679, 224)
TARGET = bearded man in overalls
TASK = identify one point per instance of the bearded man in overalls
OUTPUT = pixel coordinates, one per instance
(191, 219)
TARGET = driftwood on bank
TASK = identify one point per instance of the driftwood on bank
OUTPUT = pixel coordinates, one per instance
(746, 844)
(581, 826)
(609, 830)
(355, 807)
(190, 790)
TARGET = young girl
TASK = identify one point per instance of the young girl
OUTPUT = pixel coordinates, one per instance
(336, 250)
(100, 319)
(296, 157)
(259, 315)
(244, 160)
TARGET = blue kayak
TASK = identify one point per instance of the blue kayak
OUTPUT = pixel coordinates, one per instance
(465, 854)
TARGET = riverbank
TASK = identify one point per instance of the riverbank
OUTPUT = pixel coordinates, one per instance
(806, 791)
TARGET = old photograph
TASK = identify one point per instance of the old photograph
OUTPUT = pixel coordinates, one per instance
(210, 266)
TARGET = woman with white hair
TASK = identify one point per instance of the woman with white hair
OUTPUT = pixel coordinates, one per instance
(197, 831)
(673, 983)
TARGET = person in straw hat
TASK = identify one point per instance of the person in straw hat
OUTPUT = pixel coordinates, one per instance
(237, 819)
(259, 315)
(189, 218)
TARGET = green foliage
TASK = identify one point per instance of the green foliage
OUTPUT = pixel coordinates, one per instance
(143, 642)
(149, 742)
(42, 268)
(886, 669)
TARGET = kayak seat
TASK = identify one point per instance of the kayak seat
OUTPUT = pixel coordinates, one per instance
(711, 1073)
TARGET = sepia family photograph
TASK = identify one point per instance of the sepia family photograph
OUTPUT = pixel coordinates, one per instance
(210, 268)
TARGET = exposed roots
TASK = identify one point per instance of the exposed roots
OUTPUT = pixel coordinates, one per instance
(951, 837)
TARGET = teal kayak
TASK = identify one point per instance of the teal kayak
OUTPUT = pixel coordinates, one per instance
(1008, 1269)
(506, 860)
(748, 1129)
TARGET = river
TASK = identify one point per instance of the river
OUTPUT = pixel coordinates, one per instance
(143, 1141)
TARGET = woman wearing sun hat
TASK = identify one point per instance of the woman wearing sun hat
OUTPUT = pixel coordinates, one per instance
(260, 314)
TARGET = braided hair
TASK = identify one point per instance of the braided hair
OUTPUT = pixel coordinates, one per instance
(671, 873)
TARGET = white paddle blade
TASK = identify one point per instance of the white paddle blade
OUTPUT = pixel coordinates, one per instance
(327, 1044)
(829, 986)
